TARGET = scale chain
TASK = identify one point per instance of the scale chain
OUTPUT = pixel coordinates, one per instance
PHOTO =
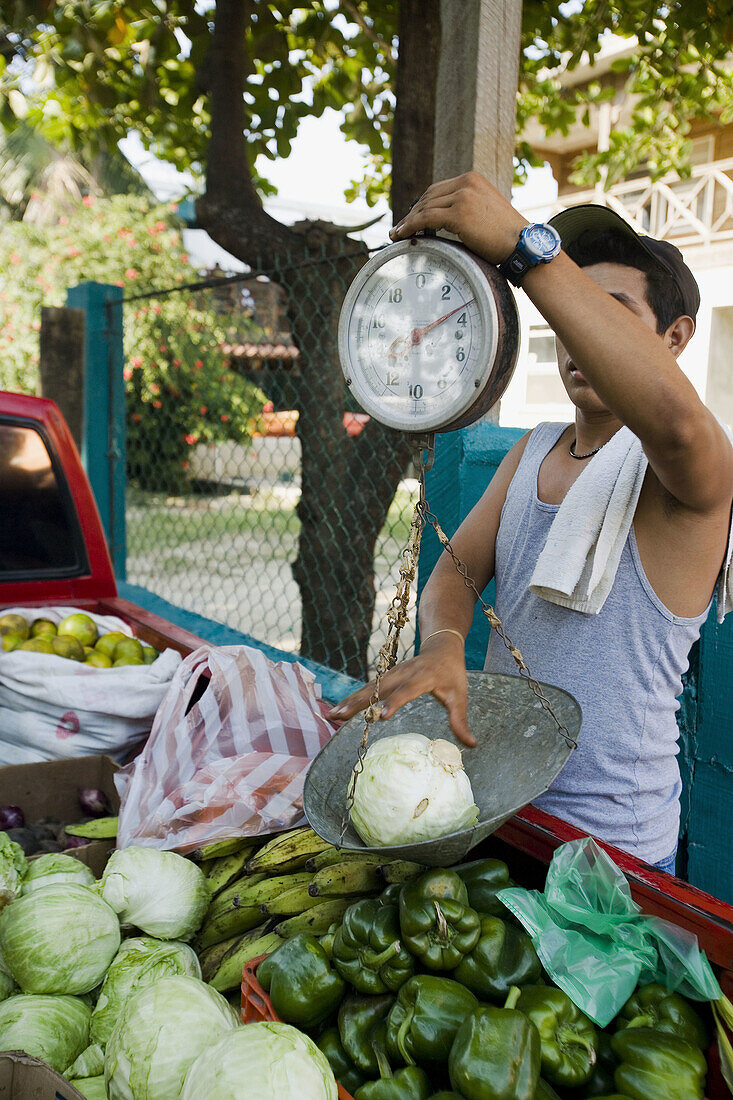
(397, 617)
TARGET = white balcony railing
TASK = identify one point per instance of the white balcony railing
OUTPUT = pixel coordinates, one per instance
(693, 211)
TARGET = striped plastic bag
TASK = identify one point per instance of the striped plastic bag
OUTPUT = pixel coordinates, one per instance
(227, 754)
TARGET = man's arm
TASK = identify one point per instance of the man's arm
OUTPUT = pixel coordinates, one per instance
(447, 605)
(629, 366)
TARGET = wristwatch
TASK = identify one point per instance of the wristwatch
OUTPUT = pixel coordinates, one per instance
(538, 244)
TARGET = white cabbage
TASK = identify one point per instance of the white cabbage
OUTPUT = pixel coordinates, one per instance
(161, 893)
(55, 1029)
(90, 1063)
(55, 869)
(269, 1061)
(411, 789)
(93, 1088)
(13, 866)
(139, 962)
(59, 940)
(161, 1032)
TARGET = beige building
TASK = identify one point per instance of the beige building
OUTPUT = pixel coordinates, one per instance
(696, 214)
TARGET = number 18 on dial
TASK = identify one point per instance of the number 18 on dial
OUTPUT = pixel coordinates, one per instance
(428, 336)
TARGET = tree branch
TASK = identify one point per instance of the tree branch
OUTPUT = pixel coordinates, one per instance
(231, 209)
(353, 11)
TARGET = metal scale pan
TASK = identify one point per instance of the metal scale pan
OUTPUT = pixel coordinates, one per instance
(519, 753)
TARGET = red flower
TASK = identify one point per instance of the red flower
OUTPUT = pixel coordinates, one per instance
(224, 418)
(136, 418)
(191, 439)
(63, 220)
(199, 364)
(159, 227)
(127, 373)
(131, 273)
(185, 464)
(176, 362)
(88, 200)
(157, 404)
(136, 361)
(163, 347)
(184, 257)
(73, 251)
(120, 282)
(156, 309)
(204, 409)
(154, 388)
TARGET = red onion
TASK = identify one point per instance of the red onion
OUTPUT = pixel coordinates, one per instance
(11, 817)
(76, 842)
(94, 802)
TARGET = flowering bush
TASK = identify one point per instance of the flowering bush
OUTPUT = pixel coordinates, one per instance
(178, 390)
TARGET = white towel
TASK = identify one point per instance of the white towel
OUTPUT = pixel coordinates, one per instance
(578, 564)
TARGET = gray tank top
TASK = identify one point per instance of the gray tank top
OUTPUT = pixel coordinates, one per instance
(624, 666)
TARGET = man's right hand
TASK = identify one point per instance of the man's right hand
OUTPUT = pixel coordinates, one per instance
(439, 668)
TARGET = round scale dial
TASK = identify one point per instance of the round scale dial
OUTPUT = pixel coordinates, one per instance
(418, 334)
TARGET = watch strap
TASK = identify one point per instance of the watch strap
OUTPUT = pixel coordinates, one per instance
(515, 267)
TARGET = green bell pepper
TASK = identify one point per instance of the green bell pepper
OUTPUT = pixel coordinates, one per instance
(496, 1054)
(411, 1083)
(658, 1066)
(504, 956)
(654, 1006)
(303, 987)
(437, 924)
(367, 951)
(424, 1019)
(343, 1068)
(568, 1037)
(484, 878)
(326, 941)
(391, 894)
(602, 1080)
(359, 1020)
(545, 1091)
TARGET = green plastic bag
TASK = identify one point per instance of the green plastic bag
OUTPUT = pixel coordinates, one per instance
(595, 943)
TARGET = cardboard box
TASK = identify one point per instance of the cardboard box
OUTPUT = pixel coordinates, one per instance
(49, 789)
(26, 1078)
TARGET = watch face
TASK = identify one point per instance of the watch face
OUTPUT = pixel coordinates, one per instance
(541, 240)
(417, 335)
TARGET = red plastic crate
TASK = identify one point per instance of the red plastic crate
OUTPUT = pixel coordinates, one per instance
(257, 1006)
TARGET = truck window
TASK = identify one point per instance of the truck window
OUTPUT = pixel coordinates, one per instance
(39, 532)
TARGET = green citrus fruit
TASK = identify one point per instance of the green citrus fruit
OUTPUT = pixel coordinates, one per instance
(107, 642)
(98, 660)
(11, 641)
(150, 654)
(14, 624)
(43, 628)
(65, 645)
(128, 647)
(37, 645)
(121, 661)
(81, 627)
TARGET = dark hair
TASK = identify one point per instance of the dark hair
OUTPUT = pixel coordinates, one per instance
(662, 293)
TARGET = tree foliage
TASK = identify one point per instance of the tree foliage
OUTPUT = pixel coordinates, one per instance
(178, 392)
(84, 73)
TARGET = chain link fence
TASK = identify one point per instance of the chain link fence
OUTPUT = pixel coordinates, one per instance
(258, 494)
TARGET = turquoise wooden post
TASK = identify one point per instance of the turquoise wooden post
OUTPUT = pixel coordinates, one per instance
(709, 864)
(103, 438)
(465, 463)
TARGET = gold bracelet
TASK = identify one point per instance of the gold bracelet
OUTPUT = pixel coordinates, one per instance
(443, 630)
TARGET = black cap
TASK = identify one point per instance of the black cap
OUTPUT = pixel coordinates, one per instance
(590, 217)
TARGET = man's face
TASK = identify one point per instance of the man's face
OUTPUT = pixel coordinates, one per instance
(628, 286)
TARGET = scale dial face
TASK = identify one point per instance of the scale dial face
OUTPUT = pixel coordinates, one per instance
(418, 334)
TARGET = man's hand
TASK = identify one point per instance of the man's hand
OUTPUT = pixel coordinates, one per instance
(439, 668)
(473, 209)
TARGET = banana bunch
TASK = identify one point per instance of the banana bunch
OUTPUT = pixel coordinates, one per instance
(262, 894)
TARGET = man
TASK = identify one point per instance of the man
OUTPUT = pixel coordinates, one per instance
(622, 308)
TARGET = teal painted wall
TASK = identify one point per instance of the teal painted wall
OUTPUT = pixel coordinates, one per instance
(465, 462)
